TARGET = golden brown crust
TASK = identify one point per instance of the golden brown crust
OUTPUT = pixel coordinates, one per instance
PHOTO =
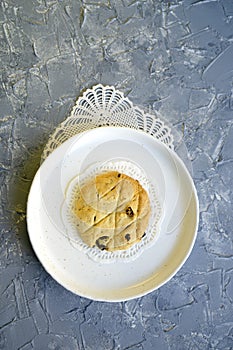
(112, 211)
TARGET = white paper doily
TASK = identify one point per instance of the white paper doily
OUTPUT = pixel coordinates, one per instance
(106, 106)
(152, 231)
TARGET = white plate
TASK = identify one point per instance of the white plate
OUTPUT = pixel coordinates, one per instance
(73, 268)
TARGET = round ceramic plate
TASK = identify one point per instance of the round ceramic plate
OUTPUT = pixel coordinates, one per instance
(71, 267)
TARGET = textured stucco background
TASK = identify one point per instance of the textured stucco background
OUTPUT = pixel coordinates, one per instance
(175, 57)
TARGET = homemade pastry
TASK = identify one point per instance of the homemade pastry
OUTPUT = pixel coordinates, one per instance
(112, 211)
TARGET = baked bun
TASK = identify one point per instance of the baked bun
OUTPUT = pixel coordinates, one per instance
(112, 211)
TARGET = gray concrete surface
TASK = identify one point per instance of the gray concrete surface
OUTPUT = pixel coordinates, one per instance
(175, 57)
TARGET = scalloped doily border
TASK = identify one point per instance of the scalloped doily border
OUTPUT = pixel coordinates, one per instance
(106, 106)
